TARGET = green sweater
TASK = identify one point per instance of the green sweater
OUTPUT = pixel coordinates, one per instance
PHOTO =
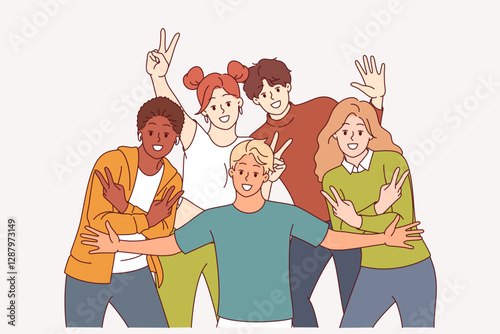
(363, 189)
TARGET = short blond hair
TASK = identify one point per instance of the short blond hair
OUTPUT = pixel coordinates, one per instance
(260, 151)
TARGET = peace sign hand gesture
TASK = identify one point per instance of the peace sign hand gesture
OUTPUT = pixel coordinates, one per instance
(161, 209)
(158, 61)
(113, 192)
(278, 164)
(391, 192)
(343, 209)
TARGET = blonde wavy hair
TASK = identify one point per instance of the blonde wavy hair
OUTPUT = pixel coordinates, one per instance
(260, 151)
(329, 155)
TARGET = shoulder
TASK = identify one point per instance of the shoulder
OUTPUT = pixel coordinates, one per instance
(389, 158)
(322, 102)
(116, 158)
(334, 175)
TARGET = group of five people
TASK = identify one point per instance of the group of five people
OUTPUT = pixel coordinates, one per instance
(339, 165)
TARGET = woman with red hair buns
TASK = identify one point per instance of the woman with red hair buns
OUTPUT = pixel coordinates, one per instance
(205, 173)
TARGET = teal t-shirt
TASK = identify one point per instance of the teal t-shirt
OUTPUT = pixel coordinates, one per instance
(252, 256)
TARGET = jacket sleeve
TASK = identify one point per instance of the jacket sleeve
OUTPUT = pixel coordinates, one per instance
(165, 227)
(99, 210)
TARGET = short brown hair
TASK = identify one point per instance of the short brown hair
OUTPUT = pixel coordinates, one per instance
(274, 71)
(161, 106)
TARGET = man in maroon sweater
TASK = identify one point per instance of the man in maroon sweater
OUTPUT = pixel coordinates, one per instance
(269, 85)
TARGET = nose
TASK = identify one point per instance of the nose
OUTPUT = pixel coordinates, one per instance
(221, 106)
(271, 95)
(158, 137)
(246, 177)
(352, 135)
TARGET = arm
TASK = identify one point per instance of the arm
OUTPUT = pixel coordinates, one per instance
(97, 209)
(111, 243)
(185, 212)
(367, 219)
(166, 225)
(157, 65)
(395, 237)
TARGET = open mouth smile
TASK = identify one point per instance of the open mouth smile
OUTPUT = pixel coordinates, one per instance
(276, 104)
(247, 187)
(352, 146)
(224, 119)
(157, 147)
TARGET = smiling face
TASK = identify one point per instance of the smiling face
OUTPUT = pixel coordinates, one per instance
(158, 137)
(353, 137)
(223, 109)
(248, 176)
(273, 99)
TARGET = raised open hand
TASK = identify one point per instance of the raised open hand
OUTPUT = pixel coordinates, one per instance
(343, 209)
(113, 192)
(158, 61)
(373, 80)
(391, 192)
(397, 237)
(162, 209)
(278, 164)
(105, 243)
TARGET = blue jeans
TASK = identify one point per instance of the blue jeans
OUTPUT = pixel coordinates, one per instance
(306, 265)
(412, 288)
(132, 294)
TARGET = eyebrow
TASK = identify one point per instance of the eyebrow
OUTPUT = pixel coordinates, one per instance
(242, 163)
(360, 124)
(256, 166)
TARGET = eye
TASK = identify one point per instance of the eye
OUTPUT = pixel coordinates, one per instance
(241, 171)
(150, 133)
(255, 174)
(213, 107)
(277, 89)
(344, 132)
(228, 103)
(360, 132)
(264, 95)
(166, 134)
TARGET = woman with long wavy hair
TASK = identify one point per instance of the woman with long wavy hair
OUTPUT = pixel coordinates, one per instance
(359, 166)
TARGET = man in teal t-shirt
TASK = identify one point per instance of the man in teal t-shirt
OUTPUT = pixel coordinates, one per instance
(251, 272)
(252, 241)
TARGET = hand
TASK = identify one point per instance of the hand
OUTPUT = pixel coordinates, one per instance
(342, 209)
(278, 164)
(374, 82)
(113, 192)
(158, 61)
(105, 243)
(390, 193)
(162, 209)
(397, 237)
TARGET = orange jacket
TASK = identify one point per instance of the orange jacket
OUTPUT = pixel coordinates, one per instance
(123, 165)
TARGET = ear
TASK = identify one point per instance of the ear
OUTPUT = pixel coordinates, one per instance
(256, 101)
(335, 136)
(240, 101)
(288, 87)
(266, 177)
(231, 172)
(204, 113)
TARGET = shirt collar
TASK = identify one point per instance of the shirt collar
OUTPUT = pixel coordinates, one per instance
(363, 165)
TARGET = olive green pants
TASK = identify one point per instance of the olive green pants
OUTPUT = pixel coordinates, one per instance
(180, 280)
